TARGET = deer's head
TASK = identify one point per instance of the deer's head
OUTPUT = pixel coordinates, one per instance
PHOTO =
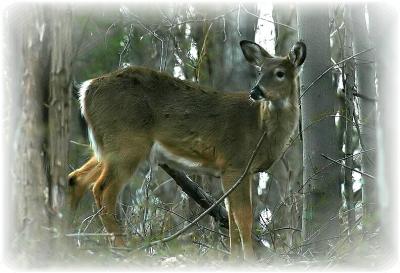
(276, 75)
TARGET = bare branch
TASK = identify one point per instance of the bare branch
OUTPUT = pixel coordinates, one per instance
(287, 228)
(356, 94)
(202, 53)
(79, 144)
(341, 164)
(330, 68)
(210, 247)
(267, 20)
(330, 164)
(222, 16)
(95, 234)
(184, 218)
(238, 22)
(79, 44)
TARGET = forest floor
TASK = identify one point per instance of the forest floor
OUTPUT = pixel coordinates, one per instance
(183, 255)
(87, 248)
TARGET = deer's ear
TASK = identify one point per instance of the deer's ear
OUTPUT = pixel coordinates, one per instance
(298, 54)
(254, 53)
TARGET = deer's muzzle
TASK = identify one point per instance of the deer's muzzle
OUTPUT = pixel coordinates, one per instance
(256, 93)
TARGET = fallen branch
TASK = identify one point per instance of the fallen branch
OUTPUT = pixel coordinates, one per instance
(202, 198)
(192, 189)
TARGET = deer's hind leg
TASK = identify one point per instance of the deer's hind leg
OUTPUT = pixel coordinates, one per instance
(116, 171)
(80, 180)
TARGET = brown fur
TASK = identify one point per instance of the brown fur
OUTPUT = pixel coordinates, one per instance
(131, 109)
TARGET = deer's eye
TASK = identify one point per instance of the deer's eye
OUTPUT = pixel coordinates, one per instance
(280, 74)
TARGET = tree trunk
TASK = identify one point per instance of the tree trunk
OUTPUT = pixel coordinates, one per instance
(41, 132)
(349, 88)
(365, 72)
(59, 102)
(30, 179)
(320, 177)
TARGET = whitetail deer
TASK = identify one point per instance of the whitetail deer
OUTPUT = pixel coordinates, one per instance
(134, 109)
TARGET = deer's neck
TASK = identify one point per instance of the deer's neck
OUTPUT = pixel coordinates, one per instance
(279, 120)
(279, 116)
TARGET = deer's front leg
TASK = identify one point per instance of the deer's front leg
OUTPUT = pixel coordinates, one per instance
(240, 216)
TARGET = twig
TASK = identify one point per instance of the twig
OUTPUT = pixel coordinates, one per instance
(184, 218)
(238, 182)
(91, 217)
(298, 135)
(341, 164)
(315, 234)
(330, 68)
(127, 44)
(356, 94)
(287, 228)
(316, 173)
(267, 20)
(107, 31)
(330, 164)
(210, 247)
(223, 21)
(238, 21)
(79, 44)
(314, 242)
(79, 144)
(95, 234)
(203, 20)
(360, 137)
(337, 247)
(153, 32)
(202, 52)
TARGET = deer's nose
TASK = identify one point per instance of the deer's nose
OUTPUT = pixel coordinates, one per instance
(256, 93)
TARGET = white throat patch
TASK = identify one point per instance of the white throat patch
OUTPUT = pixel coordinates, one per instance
(278, 104)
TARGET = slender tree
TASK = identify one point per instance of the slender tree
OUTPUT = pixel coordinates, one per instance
(287, 172)
(365, 77)
(59, 102)
(348, 78)
(322, 198)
